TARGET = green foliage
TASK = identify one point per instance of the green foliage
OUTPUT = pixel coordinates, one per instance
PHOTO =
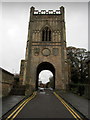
(79, 68)
(78, 88)
(51, 82)
(47, 85)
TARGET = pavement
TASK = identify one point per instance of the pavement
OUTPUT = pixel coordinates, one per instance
(44, 105)
(80, 103)
(9, 102)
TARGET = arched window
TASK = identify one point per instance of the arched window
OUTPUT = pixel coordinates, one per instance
(46, 34)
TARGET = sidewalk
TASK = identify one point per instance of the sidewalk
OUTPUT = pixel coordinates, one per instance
(80, 103)
(9, 102)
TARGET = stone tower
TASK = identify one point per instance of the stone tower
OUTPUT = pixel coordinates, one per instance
(46, 48)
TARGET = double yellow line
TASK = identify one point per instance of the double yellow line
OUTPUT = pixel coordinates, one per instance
(20, 107)
(75, 115)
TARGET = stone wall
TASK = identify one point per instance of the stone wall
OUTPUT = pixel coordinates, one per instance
(6, 82)
(22, 67)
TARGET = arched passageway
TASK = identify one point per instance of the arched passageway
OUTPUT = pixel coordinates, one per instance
(45, 66)
(45, 76)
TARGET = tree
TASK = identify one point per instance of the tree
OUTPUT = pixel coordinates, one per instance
(79, 69)
(51, 84)
(47, 84)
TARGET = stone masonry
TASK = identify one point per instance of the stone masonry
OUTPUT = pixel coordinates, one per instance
(46, 48)
(6, 82)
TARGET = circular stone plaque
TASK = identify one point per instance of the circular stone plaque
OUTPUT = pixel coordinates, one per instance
(46, 52)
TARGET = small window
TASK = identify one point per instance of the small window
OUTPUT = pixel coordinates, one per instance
(46, 34)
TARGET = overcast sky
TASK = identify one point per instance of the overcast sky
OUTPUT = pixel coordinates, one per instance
(15, 18)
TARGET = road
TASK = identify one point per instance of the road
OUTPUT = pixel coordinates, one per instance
(44, 105)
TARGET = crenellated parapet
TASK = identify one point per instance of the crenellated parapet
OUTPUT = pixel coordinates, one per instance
(45, 12)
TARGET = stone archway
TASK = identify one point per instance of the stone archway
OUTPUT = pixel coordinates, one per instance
(48, 53)
(45, 66)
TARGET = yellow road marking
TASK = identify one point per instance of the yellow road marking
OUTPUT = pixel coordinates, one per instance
(20, 109)
(65, 106)
(27, 100)
(72, 110)
(21, 105)
(68, 107)
(16, 109)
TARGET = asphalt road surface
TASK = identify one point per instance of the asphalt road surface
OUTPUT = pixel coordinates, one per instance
(44, 105)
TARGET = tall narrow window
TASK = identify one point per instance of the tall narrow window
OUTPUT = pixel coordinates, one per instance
(46, 34)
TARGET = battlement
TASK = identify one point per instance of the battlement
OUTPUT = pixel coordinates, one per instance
(47, 12)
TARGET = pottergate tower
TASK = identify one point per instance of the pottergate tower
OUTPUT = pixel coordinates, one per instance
(46, 49)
